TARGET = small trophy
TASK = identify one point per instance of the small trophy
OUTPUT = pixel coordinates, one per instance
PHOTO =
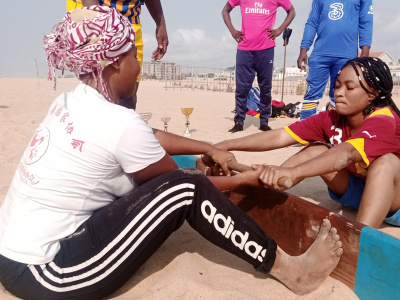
(165, 119)
(146, 116)
(187, 111)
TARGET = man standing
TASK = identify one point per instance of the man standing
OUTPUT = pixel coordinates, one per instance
(341, 27)
(255, 52)
(132, 9)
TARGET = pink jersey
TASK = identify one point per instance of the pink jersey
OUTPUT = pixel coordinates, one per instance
(257, 17)
(379, 134)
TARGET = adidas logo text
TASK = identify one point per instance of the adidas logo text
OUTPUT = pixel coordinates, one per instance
(225, 226)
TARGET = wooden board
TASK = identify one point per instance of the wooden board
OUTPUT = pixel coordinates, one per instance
(294, 224)
(370, 261)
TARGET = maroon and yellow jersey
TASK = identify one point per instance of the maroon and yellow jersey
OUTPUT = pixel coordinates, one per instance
(379, 134)
(130, 9)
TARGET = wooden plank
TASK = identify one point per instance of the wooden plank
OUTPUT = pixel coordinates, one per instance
(370, 260)
(294, 224)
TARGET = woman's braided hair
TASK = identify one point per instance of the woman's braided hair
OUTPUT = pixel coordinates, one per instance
(377, 76)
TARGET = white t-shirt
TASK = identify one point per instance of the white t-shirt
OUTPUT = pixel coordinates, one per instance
(76, 163)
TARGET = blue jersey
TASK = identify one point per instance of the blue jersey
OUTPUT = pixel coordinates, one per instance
(340, 25)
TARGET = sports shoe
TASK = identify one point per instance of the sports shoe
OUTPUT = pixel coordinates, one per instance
(265, 128)
(236, 128)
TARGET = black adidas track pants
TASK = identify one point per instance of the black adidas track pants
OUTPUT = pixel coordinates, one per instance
(112, 244)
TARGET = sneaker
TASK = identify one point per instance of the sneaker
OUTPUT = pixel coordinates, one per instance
(236, 128)
(265, 128)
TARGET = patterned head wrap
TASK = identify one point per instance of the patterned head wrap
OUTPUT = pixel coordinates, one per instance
(87, 40)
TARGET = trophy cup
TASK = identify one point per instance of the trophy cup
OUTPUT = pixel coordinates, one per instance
(187, 111)
(146, 116)
(165, 119)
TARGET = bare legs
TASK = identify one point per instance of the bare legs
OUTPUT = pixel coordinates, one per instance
(382, 191)
(305, 273)
(382, 187)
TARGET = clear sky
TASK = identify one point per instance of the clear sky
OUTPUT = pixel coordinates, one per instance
(197, 33)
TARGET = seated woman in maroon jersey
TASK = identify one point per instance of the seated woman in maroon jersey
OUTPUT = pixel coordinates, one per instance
(355, 148)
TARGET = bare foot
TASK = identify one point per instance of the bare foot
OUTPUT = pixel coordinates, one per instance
(305, 273)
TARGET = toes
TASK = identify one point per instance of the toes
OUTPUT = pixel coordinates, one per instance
(332, 238)
(325, 227)
(333, 230)
(338, 252)
(336, 247)
(335, 237)
(339, 244)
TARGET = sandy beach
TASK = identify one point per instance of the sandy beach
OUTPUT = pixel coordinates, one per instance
(186, 266)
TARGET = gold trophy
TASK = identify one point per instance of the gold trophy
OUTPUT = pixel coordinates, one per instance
(187, 111)
(165, 119)
(146, 116)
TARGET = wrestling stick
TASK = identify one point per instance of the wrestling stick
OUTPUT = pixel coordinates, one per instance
(284, 182)
(286, 34)
(284, 71)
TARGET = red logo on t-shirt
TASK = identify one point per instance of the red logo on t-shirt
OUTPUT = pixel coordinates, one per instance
(38, 146)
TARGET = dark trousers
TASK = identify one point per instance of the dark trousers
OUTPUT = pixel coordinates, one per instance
(248, 63)
(116, 240)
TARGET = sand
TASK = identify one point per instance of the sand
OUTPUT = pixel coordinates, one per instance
(186, 266)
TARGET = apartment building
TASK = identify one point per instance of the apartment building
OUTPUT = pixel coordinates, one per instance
(161, 70)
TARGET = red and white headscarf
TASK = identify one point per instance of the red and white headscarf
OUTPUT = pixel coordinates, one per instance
(87, 40)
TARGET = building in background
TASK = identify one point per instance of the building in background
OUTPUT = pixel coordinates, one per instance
(385, 57)
(161, 70)
(394, 64)
(290, 73)
(223, 79)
